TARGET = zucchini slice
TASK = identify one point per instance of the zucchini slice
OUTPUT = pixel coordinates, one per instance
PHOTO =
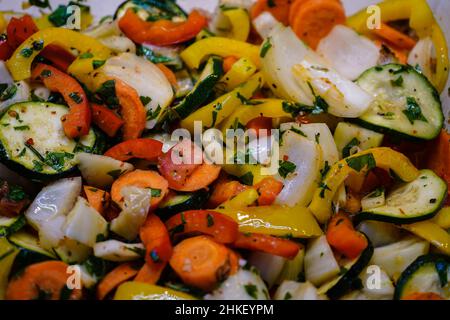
(411, 202)
(182, 202)
(406, 103)
(32, 140)
(152, 10)
(428, 273)
(343, 284)
(11, 225)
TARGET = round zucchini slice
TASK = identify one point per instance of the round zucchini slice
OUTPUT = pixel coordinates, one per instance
(411, 202)
(406, 103)
(33, 143)
(428, 273)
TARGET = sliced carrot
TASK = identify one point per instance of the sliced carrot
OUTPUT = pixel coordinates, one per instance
(141, 179)
(42, 281)
(106, 119)
(228, 63)
(222, 228)
(224, 191)
(192, 174)
(423, 296)
(97, 198)
(278, 8)
(439, 156)
(156, 239)
(261, 242)
(268, 190)
(132, 110)
(342, 236)
(113, 279)
(78, 121)
(202, 263)
(150, 273)
(143, 148)
(315, 19)
(169, 74)
(262, 125)
(394, 37)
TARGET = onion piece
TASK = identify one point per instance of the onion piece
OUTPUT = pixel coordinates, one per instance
(423, 55)
(264, 24)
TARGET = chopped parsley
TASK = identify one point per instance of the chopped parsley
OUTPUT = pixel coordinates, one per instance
(16, 193)
(365, 161)
(107, 92)
(397, 82)
(251, 290)
(155, 192)
(7, 92)
(39, 3)
(26, 52)
(265, 47)
(38, 166)
(325, 169)
(75, 96)
(86, 55)
(413, 111)
(286, 168)
(115, 173)
(346, 151)
(154, 256)
(298, 131)
(46, 73)
(210, 220)
(376, 193)
(56, 160)
(22, 128)
(97, 63)
(287, 296)
(246, 101)
(38, 45)
(145, 100)
(323, 187)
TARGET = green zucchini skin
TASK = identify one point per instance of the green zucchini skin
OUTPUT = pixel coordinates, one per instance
(416, 86)
(404, 219)
(195, 201)
(167, 7)
(15, 226)
(97, 143)
(347, 281)
(438, 260)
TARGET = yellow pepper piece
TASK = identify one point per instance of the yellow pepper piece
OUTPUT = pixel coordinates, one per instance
(297, 221)
(439, 79)
(239, 170)
(219, 46)
(271, 108)
(385, 158)
(240, 72)
(442, 218)
(8, 253)
(214, 113)
(242, 200)
(20, 65)
(431, 232)
(43, 23)
(142, 291)
(3, 23)
(240, 23)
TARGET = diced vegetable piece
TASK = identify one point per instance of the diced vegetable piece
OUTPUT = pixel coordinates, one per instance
(374, 199)
(143, 291)
(380, 233)
(320, 264)
(114, 250)
(432, 233)
(291, 290)
(269, 266)
(8, 253)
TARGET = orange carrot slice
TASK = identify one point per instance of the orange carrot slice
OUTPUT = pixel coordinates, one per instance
(112, 280)
(97, 198)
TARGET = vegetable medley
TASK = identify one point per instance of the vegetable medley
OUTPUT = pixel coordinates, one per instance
(346, 109)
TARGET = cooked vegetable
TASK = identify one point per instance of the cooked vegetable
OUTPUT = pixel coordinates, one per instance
(278, 8)
(203, 263)
(147, 149)
(151, 10)
(156, 239)
(98, 199)
(433, 233)
(7, 255)
(414, 201)
(239, 72)
(113, 250)
(117, 276)
(291, 290)
(32, 140)
(405, 102)
(269, 244)
(427, 274)
(171, 205)
(240, 23)
(106, 119)
(142, 291)
(380, 233)
(269, 266)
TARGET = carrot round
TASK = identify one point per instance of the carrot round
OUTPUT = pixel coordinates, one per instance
(202, 263)
(268, 190)
(77, 122)
(132, 110)
(156, 239)
(150, 273)
(265, 243)
(222, 228)
(118, 275)
(97, 198)
(278, 8)
(344, 238)
(315, 19)
(168, 73)
(423, 296)
(141, 179)
(106, 119)
(228, 63)
(147, 149)
(395, 37)
(42, 281)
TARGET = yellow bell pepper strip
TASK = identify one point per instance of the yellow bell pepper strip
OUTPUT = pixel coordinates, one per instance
(242, 200)
(224, 47)
(240, 23)
(239, 73)
(431, 232)
(134, 290)
(20, 63)
(421, 19)
(281, 221)
(214, 113)
(360, 163)
(442, 218)
(3, 23)
(8, 253)
(271, 108)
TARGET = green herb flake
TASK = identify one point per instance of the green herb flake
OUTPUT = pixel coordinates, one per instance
(22, 128)
(397, 82)
(86, 55)
(22, 153)
(287, 296)
(286, 168)
(145, 100)
(115, 174)
(7, 92)
(323, 187)
(39, 3)
(376, 193)
(155, 192)
(265, 47)
(46, 73)
(365, 161)
(26, 52)
(154, 256)
(413, 111)
(75, 96)
(346, 151)
(38, 166)
(56, 160)
(16, 193)
(251, 290)
(107, 92)
(298, 131)
(210, 220)
(97, 63)
(325, 169)
(247, 179)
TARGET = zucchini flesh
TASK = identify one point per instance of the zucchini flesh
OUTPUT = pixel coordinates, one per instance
(405, 102)
(29, 242)
(182, 202)
(32, 140)
(414, 201)
(10, 225)
(428, 273)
